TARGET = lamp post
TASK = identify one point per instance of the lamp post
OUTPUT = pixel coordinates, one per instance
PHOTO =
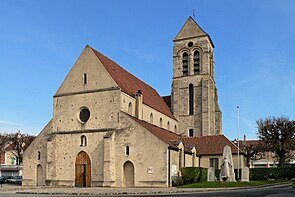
(238, 129)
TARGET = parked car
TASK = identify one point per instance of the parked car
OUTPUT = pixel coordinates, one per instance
(14, 180)
(4, 179)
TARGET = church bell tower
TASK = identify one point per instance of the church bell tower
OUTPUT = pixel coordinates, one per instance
(194, 92)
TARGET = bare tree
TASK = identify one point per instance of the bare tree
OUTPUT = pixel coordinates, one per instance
(3, 142)
(251, 149)
(20, 142)
(277, 135)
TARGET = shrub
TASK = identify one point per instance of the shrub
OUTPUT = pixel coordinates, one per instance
(272, 173)
(203, 175)
(193, 174)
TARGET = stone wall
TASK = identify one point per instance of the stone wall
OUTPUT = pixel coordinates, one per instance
(203, 121)
(148, 153)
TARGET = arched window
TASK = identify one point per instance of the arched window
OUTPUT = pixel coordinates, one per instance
(127, 150)
(130, 108)
(175, 128)
(151, 118)
(168, 125)
(197, 64)
(83, 140)
(191, 99)
(185, 64)
(85, 78)
(39, 155)
(161, 123)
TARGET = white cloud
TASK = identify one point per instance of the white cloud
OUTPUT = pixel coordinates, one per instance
(4, 122)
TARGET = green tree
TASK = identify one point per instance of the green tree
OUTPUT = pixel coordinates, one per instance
(277, 134)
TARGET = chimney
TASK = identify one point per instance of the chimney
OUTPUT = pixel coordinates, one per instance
(138, 107)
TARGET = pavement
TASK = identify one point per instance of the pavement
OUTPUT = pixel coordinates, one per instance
(18, 189)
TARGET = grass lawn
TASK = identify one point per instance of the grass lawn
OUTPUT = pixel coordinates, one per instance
(230, 184)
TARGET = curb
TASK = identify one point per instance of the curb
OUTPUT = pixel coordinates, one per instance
(172, 191)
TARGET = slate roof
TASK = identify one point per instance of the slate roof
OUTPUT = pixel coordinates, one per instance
(130, 85)
(210, 145)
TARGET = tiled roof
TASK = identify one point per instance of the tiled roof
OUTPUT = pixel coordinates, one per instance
(165, 135)
(248, 142)
(131, 84)
(167, 100)
(210, 145)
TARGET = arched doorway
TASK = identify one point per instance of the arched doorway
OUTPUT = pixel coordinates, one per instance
(128, 174)
(40, 179)
(82, 170)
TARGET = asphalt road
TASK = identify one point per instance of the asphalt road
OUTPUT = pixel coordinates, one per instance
(275, 192)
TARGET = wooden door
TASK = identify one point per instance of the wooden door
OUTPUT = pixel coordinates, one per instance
(82, 170)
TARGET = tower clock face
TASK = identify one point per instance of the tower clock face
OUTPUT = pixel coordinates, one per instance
(84, 115)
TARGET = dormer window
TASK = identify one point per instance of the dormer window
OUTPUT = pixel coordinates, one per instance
(185, 64)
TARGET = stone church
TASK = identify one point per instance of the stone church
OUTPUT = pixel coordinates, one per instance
(109, 128)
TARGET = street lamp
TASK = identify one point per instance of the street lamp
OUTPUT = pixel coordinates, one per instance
(238, 129)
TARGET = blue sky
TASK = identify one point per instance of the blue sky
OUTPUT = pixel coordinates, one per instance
(254, 52)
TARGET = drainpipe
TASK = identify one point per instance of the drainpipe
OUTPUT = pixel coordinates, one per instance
(169, 173)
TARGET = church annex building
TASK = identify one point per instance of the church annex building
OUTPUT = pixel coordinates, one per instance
(110, 128)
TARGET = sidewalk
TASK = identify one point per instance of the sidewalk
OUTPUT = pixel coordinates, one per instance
(116, 191)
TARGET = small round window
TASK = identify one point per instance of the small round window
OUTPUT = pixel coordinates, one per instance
(190, 44)
(84, 115)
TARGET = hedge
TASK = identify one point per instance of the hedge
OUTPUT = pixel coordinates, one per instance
(193, 174)
(272, 173)
(198, 174)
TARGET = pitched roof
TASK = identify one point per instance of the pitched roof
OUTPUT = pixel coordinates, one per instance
(210, 145)
(167, 100)
(249, 143)
(130, 85)
(190, 30)
(165, 135)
